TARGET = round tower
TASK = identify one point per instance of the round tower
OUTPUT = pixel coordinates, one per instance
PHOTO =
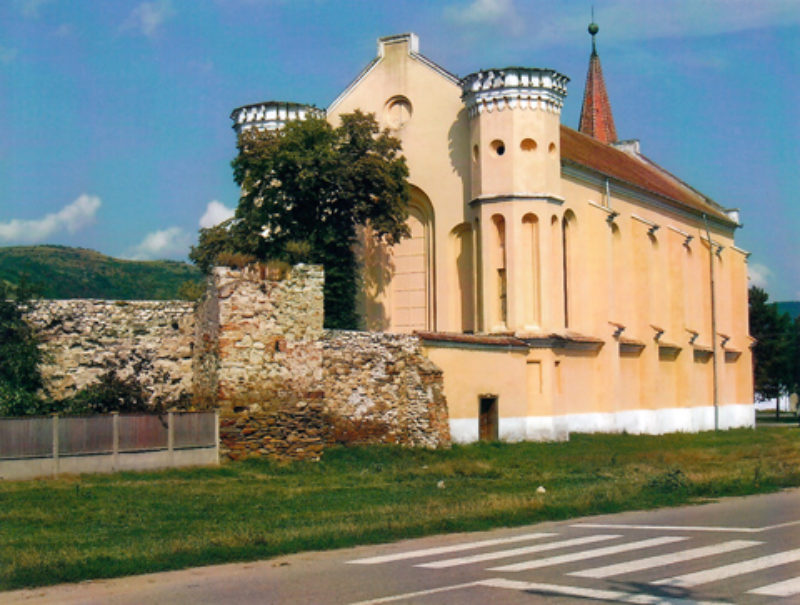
(271, 115)
(515, 185)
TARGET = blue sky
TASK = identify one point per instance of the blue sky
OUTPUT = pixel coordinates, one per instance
(114, 114)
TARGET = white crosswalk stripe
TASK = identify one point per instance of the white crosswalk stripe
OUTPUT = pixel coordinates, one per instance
(661, 560)
(589, 554)
(787, 588)
(525, 550)
(616, 596)
(728, 571)
(441, 550)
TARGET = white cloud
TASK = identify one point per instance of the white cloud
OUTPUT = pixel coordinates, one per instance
(7, 55)
(215, 213)
(482, 11)
(148, 17)
(71, 218)
(758, 274)
(172, 242)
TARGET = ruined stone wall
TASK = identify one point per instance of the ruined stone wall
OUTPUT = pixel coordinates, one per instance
(285, 386)
(255, 348)
(381, 388)
(84, 338)
(257, 338)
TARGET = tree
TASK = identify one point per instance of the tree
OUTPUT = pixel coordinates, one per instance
(775, 366)
(306, 188)
(20, 378)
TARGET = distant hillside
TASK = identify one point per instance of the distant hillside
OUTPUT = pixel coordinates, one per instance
(63, 272)
(792, 307)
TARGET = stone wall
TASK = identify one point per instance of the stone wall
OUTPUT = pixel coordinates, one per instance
(262, 353)
(258, 338)
(84, 338)
(381, 388)
(255, 348)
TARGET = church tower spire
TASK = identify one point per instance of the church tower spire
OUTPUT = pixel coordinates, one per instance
(596, 119)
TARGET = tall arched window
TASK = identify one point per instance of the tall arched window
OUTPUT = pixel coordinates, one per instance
(463, 262)
(411, 291)
(568, 224)
(530, 234)
(499, 266)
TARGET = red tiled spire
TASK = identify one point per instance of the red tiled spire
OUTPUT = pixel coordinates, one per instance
(596, 118)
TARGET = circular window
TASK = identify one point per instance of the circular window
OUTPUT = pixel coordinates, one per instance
(397, 111)
(527, 145)
(552, 148)
(498, 146)
(476, 154)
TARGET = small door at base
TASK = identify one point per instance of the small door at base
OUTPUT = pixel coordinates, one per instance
(488, 419)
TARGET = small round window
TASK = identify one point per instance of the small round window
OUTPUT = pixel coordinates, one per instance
(397, 111)
(498, 146)
(528, 145)
(552, 148)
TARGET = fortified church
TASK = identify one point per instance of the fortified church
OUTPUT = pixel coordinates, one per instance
(561, 279)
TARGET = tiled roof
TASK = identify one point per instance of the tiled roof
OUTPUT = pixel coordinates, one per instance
(472, 339)
(583, 150)
(596, 118)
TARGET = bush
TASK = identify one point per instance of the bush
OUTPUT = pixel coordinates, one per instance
(110, 393)
(16, 401)
(20, 378)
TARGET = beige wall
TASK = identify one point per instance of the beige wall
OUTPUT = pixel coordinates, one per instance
(497, 230)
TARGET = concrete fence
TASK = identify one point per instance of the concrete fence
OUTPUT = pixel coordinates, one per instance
(40, 446)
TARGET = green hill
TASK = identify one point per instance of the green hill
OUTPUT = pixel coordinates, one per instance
(63, 272)
(792, 307)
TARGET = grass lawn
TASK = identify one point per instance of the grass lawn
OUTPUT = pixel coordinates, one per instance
(99, 526)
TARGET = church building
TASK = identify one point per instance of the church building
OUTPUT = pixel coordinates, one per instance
(561, 279)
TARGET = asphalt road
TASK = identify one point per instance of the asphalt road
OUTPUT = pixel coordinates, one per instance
(741, 550)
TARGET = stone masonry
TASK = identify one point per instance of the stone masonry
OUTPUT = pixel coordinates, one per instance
(84, 338)
(255, 348)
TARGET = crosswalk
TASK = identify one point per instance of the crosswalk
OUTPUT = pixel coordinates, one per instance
(643, 561)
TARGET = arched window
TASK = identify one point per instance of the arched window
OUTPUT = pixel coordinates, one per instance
(568, 225)
(463, 259)
(531, 254)
(411, 290)
(499, 266)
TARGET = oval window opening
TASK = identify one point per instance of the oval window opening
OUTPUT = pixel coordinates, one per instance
(527, 145)
(498, 147)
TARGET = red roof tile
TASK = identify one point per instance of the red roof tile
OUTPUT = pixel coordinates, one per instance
(583, 150)
(596, 118)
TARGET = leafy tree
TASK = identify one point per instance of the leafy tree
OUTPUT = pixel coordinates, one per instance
(20, 378)
(305, 190)
(775, 365)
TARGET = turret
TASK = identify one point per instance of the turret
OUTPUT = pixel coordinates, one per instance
(514, 130)
(515, 185)
(271, 115)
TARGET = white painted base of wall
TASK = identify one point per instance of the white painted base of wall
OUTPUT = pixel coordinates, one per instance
(649, 422)
(28, 468)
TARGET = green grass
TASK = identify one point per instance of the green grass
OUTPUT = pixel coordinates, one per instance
(99, 526)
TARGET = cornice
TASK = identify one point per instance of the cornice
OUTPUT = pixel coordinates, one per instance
(521, 196)
(514, 87)
(648, 198)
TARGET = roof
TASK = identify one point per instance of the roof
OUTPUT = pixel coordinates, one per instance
(640, 172)
(596, 118)
(457, 338)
